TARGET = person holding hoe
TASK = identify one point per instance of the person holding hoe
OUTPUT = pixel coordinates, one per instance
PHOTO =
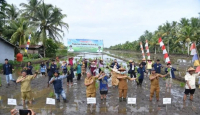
(123, 86)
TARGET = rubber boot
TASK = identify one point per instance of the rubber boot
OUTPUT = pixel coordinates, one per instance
(120, 99)
(124, 99)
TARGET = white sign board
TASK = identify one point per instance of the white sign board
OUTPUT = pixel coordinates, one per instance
(131, 101)
(91, 100)
(50, 101)
(167, 100)
(12, 101)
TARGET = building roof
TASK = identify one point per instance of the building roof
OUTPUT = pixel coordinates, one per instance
(4, 40)
(31, 46)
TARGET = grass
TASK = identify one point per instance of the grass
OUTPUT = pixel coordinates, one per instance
(182, 84)
(51, 94)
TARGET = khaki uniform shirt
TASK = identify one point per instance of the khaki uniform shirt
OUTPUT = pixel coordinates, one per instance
(123, 82)
(90, 88)
(155, 82)
(26, 83)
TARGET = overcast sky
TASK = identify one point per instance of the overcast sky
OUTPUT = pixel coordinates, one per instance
(118, 21)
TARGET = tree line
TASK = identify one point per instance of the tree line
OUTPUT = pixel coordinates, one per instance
(43, 21)
(177, 37)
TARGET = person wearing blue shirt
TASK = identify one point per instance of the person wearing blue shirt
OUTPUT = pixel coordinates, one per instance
(141, 71)
(53, 68)
(42, 68)
(157, 66)
(70, 75)
(56, 80)
(64, 67)
(171, 75)
(103, 81)
(7, 71)
(132, 69)
(79, 66)
(115, 64)
(29, 68)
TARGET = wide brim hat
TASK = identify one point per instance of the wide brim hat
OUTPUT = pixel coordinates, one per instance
(149, 59)
(191, 69)
(130, 61)
(122, 69)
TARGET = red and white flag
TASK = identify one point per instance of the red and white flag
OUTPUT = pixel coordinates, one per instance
(141, 46)
(166, 56)
(147, 48)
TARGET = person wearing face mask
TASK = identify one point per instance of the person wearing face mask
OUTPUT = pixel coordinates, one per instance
(140, 71)
(171, 76)
(190, 86)
(123, 86)
(114, 73)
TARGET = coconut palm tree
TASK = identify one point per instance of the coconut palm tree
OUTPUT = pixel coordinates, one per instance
(12, 12)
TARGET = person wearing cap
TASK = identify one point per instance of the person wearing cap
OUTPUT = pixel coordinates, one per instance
(140, 71)
(93, 67)
(56, 80)
(171, 75)
(149, 65)
(25, 81)
(123, 86)
(53, 68)
(132, 69)
(70, 74)
(190, 86)
(90, 84)
(7, 71)
(157, 66)
(155, 87)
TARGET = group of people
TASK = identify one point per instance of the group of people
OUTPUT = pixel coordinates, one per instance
(93, 70)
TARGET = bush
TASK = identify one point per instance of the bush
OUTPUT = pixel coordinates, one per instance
(51, 48)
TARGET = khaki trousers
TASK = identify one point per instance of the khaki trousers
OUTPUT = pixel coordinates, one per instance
(154, 89)
(122, 93)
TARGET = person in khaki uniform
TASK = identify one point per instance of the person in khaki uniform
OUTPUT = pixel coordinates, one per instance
(114, 73)
(90, 84)
(25, 81)
(123, 86)
(154, 77)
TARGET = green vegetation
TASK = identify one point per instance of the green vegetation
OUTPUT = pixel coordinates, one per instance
(43, 21)
(177, 36)
(182, 84)
(51, 94)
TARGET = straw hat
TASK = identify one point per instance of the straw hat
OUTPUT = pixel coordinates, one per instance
(143, 59)
(122, 69)
(130, 61)
(149, 59)
(191, 69)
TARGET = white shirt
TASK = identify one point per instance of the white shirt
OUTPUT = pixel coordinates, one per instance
(99, 50)
(191, 79)
(133, 68)
(71, 50)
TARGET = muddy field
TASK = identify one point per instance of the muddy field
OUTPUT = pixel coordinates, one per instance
(77, 104)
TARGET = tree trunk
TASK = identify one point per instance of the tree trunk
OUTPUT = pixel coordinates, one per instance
(188, 49)
(44, 53)
(155, 49)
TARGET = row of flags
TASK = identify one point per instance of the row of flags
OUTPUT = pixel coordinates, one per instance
(141, 47)
(147, 50)
(162, 45)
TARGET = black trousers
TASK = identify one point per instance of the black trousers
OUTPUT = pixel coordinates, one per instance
(140, 82)
(69, 79)
(79, 76)
(133, 74)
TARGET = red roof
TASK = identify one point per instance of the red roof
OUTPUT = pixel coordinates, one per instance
(31, 46)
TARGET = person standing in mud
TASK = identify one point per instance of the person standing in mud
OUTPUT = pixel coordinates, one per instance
(83, 68)
(149, 66)
(157, 66)
(132, 69)
(7, 71)
(71, 61)
(25, 81)
(64, 67)
(93, 67)
(42, 68)
(115, 63)
(56, 80)
(169, 70)
(29, 68)
(103, 87)
(79, 67)
(100, 65)
(140, 71)
(155, 87)
(143, 64)
(90, 84)
(53, 68)
(123, 86)
(70, 75)
(114, 74)
(190, 86)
